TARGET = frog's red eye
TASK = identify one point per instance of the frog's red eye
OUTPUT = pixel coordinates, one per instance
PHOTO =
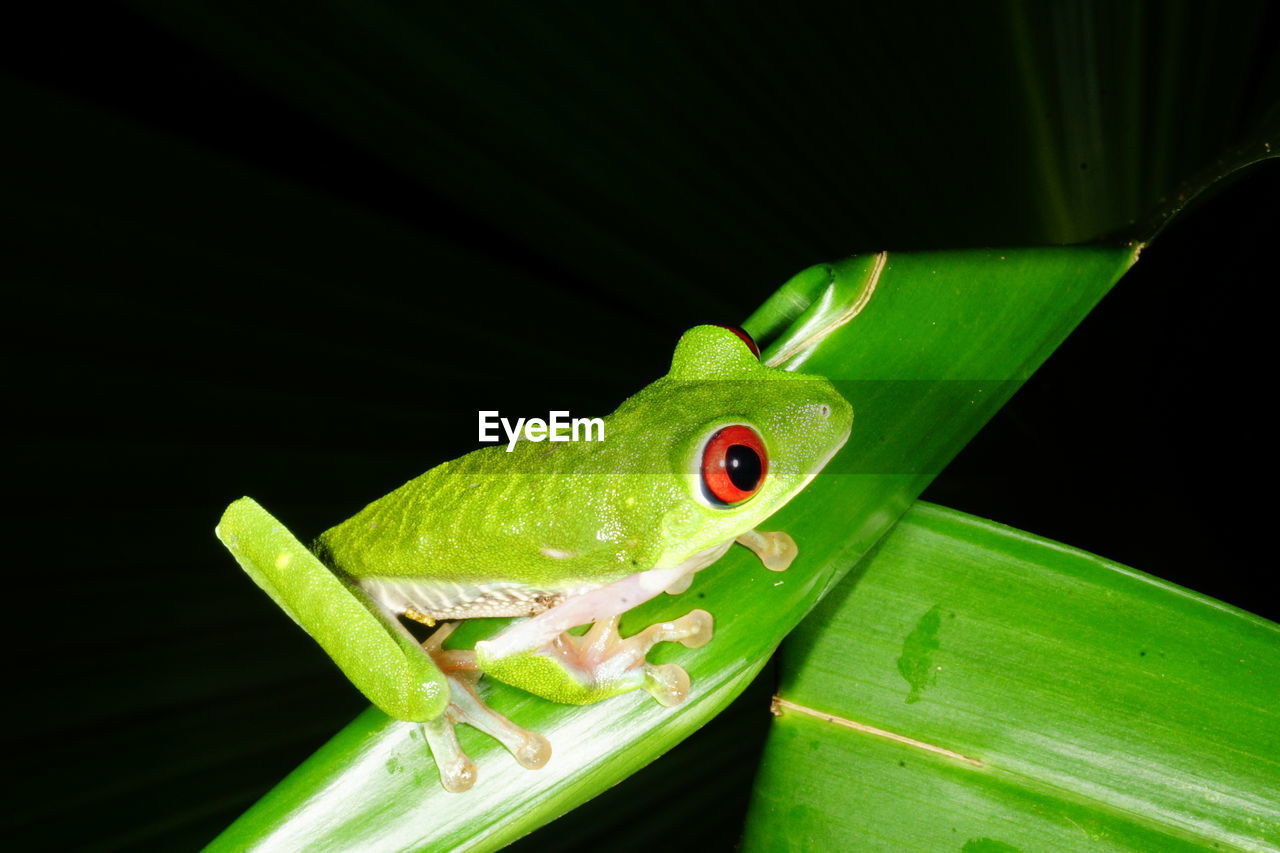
(746, 339)
(734, 463)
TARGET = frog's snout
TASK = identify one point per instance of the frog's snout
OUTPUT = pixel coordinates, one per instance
(821, 415)
(832, 407)
(835, 413)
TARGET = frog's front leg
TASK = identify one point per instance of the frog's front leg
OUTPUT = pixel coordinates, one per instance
(457, 771)
(776, 549)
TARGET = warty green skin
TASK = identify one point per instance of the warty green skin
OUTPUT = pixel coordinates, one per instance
(555, 517)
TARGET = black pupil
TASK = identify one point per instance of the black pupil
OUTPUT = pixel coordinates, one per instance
(742, 464)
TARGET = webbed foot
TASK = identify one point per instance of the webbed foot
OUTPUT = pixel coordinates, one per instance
(776, 549)
(457, 771)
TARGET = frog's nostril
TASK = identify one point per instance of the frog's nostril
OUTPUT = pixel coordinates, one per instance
(824, 411)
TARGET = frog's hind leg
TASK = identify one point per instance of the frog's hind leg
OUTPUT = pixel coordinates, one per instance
(457, 771)
(579, 670)
(540, 656)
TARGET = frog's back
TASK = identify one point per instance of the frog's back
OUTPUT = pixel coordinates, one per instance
(546, 516)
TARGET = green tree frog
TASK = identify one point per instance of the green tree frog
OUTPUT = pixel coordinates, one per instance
(567, 534)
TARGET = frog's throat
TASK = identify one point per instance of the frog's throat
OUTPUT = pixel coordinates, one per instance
(603, 602)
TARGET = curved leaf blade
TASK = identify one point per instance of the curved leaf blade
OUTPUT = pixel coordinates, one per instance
(945, 339)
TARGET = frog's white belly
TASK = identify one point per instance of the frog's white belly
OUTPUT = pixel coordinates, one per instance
(602, 602)
(443, 600)
(437, 600)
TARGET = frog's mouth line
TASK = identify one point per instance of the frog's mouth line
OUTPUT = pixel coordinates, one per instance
(821, 466)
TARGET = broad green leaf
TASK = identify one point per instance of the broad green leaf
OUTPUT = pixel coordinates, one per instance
(939, 342)
(972, 687)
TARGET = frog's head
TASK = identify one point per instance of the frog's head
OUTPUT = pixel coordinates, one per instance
(743, 438)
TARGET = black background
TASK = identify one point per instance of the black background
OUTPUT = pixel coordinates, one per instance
(213, 292)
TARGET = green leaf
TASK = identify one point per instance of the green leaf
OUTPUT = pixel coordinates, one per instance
(972, 687)
(939, 345)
